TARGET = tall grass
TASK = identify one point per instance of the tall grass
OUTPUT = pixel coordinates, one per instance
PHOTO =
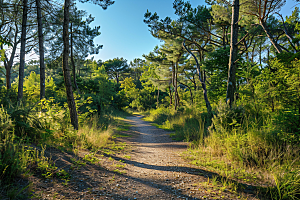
(26, 132)
(240, 143)
(257, 143)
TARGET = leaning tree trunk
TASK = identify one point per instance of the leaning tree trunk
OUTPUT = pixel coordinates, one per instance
(274, 43)
(66, 69)
(41, 49)
(22, 51)
(202, 81)
(231, 83)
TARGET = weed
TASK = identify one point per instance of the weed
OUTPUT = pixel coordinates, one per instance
(91, 158)
(120, 172)
(126, 156)
(120, 166)
(77, 163)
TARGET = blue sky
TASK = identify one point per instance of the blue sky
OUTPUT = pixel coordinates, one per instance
(123, 32)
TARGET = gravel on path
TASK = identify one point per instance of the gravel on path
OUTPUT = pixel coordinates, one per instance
(153, 169)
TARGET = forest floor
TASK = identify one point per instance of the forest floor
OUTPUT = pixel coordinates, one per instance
(142, 163)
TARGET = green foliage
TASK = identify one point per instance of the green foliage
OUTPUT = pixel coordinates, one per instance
(287, 182)
(159, 115)
(228, 118)
(116, 68)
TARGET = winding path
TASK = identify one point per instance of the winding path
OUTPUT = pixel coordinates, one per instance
(153, 169)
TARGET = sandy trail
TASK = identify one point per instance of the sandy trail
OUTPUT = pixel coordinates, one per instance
(153, 169)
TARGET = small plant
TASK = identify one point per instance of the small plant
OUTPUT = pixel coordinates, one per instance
(77, 163)
(126, 156)
(120, 172)
(120, 166)
(91, 158)
(112, 179)
(62, 174)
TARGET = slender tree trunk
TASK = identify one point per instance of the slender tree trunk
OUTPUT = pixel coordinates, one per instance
(41, 49)
(157, 96)
(202, 81)
(265, 28)
(260, 50)
(223, 38)
(231, 83)
(22, 51)
(176, 87)
(66, 69)
(253, 52)
(194, 82)
(8, 77)
(191, 93)
(173, 84)
(8, 63)
(117, 78)
(171, 98)
(73, 63)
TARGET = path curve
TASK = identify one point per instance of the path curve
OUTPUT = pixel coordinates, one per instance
(154, 170)
(156, 163)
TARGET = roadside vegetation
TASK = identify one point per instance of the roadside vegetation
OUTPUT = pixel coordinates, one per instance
(226, 78)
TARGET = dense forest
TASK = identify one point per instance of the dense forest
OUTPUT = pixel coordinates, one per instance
(226, 79)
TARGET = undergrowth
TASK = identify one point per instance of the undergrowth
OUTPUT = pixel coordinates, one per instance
(240, 143)
(27, 131)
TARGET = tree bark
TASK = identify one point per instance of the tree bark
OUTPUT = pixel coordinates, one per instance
(66, 69)
(22, 51)
(231, 83)
(41, 49)
(73, 63)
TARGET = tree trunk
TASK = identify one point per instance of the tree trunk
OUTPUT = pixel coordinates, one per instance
(176, 87)
(157, 96)
(22, 51)
(8, 63)
(117, 78)
(66, 69)
(8, 77)
(191, 93)
(194, 82)
(231, 83)
(265, 28)
(173, 84)
(171, 98)
(202, 81)
(41, 49)
(73, 63)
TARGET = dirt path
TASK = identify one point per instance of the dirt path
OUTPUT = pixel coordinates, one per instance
(153, 169)
(156, 164)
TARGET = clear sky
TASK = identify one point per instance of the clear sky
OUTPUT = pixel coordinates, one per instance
(123, 32)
